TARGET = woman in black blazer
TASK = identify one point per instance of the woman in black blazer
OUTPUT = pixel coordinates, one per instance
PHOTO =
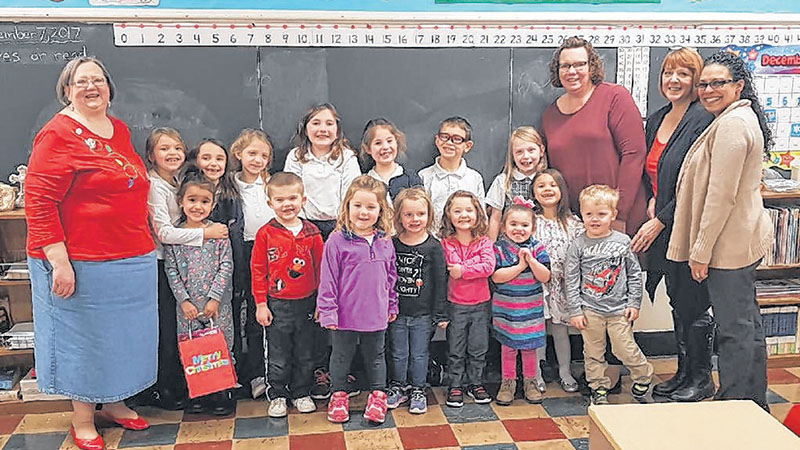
(669, 133)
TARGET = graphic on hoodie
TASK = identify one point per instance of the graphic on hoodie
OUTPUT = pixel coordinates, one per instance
(409, 274)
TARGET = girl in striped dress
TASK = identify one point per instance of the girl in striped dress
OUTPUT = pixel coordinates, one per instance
(518, 301)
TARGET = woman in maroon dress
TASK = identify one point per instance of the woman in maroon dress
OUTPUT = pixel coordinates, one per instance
(594, 132)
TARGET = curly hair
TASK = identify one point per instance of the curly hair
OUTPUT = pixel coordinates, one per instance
(739, 71)
(595, 63)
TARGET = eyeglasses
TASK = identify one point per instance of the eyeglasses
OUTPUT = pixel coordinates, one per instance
(84, 82)
(454, 138)
(716, 84)
(579, 65)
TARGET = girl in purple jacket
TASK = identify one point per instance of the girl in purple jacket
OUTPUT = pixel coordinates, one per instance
(356, 297)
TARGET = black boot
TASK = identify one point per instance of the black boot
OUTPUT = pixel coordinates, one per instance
(699, 385)
(668, 387)
(224, 403)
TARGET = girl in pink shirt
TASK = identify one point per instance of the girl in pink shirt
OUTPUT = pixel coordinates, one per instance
(470, 260)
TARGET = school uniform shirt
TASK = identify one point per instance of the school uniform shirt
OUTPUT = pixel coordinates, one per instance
(477, 265)
(162, 202)
(520, 186)
(398, 180)
(283, 264)
(325, 181)
(254, 206)
(421, 278)
(356, 287)
(440, 184)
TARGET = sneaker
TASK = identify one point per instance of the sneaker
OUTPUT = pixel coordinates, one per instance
(395, 396)
(532, 393)
(455, 397)
(600, 396)
(305, 404)
(418, 403)
(639, 390)
(505, 396)
(258, 387)
(541, 386)
(375, 411)
(322, 385)
(339, 407)
(277, 408)
(352, 386)
(479, 394)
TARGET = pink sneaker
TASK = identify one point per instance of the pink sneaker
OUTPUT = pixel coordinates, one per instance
(376, 407)
(339, 407)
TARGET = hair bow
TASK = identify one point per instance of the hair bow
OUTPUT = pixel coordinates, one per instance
(517, 200)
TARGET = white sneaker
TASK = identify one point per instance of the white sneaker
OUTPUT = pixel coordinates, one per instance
(258, 386)
(305, 404)
(277, 408)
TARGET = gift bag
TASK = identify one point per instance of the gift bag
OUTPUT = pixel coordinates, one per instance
(206, 361)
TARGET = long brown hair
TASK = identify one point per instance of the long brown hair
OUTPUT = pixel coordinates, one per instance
(481, 224)
(303, 143)
(152, 141)
(563, 213)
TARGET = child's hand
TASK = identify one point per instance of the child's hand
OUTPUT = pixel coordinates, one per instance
(331, 327)
(442, 325)
(578, 322)
(455, 270)
(524, 255)
(189, 310)
(263, 315)
(631, 314)
(392, 317)
(316, 315)
(211, 309)
(215, 231)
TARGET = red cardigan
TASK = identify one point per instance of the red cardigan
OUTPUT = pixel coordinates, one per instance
(86, 191)
(601, 143)
(283, 265)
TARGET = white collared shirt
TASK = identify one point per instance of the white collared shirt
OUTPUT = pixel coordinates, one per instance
(440, 184)
(254, 206)
(398, 170)
(162, 202)
(498, 198)
(325, 181)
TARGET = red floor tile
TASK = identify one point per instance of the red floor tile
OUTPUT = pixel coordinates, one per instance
(533, 429)
(427, 437)
(781, 376)
(327, 441)
(218, 445)
(9, 423)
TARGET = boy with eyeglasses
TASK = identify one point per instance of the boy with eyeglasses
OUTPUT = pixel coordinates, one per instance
(449, 173)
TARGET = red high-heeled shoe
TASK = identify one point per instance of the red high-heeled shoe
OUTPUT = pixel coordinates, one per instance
(136, 424)
(87, 444)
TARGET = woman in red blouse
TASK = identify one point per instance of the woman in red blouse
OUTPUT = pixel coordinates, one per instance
(594, 132)
(91, 257)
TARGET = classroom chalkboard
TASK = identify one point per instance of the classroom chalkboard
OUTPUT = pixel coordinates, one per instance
(215, 92)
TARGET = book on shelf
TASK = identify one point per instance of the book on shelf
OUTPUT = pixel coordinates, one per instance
(786, 228)
(777, 288)
(780, 325)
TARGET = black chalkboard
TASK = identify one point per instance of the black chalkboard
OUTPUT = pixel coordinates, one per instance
(216, 91)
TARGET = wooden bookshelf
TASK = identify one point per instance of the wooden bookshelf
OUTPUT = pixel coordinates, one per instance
(14, 282)
(779, 267)
(14, 214)
(779, 301)
(783, 361)
(772, 195)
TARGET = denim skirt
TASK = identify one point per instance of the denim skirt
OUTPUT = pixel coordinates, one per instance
(100, 344)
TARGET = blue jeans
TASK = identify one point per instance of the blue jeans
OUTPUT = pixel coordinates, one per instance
(408, 349)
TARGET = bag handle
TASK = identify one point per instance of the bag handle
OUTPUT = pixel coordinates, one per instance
(189, 325)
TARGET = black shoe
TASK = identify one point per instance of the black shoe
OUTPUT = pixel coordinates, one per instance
(170, 400)
(668, 387)
(455, 397)
(322, 385)
(699, 385)
(479, 394)
(223, 404)
(600, 396)
(351, 387)
(196, 406)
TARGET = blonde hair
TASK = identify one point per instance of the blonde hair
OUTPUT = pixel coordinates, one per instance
(68, 73)
(369, 135)
(481, 224)
(683, 57)
(526, 134)
(285, 179)
(599, 194)
(245, 138)
(414, 194)
(368, 184)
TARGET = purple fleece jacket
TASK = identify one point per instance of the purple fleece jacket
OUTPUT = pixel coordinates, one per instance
(356, 287)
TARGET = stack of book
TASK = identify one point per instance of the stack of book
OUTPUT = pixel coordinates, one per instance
(786, 249)
(20, 336)
(778, 288)
(9, 389)
(30, 391)
(780, 328)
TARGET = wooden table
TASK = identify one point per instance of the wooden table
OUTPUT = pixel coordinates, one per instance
(728, 425)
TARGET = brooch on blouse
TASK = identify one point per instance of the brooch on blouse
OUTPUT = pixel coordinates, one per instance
(128, 169)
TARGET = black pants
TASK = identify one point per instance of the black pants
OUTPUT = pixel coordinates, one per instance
(742, 349)
(688, 298)
(249, 352)
(372, 345)
(321, 340)
(290, 353)
(468, 342)
(170, 372)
